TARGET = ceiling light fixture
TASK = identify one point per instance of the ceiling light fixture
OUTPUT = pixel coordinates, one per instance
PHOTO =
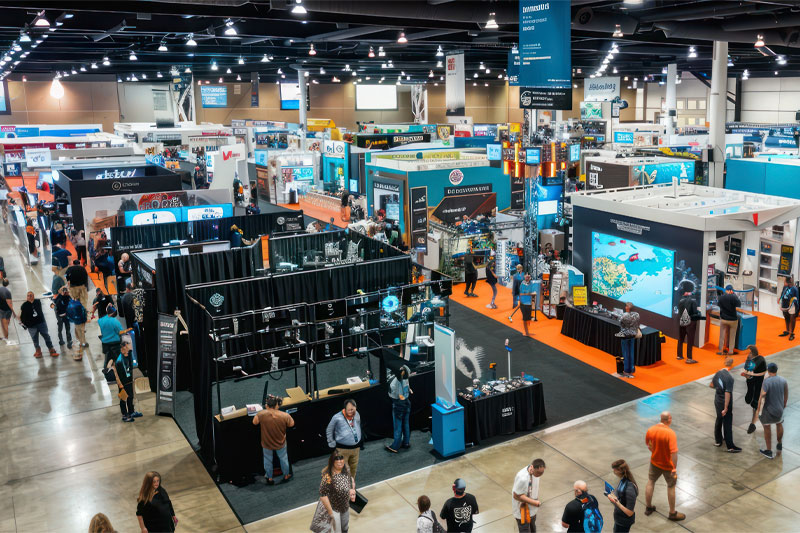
(94, 65)
(73, 70)
(439, 52)
(381, 52)
(106, 61)
(730, 61)
(298, 9)
(24, 37)
(402, 38)
(187, 71)
(228, 71)
(615, 70)
(781, 60)
(438, 64)
(491, 24)
(240, 60)
(41, 22)
(144, 76)
(321, 70)
(311, 50)
(158, 75)
(238, 77)
(371, 52)
(280, 71)
(475, 75)
(335, 80)
(56, 89)
(692, 52)
(83, 69)
(230, 29)
(214, 65)
(220, 80)
(162, 47)
(191, 41)
(759, 41)
(617, 32)
(430, 74)
(133, 57)
(265, 59)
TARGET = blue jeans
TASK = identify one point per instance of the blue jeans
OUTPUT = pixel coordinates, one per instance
(401, 409)
(283, 457)
(40, 329)
(628, 346)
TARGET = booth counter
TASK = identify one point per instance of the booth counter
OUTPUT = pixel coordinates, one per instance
(612, 173)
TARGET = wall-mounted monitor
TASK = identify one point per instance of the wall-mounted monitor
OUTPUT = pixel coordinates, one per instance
(376, 97)
(290, 96)
(205, 212)
(154, 216)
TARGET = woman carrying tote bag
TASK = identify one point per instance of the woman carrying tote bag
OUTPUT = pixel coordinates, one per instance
(336, 490)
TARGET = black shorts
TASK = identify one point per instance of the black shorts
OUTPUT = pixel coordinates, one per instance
(526, 311)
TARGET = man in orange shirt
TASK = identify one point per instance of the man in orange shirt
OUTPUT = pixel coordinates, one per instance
(663, 445)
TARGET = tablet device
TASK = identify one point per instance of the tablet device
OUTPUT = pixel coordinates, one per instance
(609, 489)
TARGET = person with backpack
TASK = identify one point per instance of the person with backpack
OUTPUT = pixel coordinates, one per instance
(426, 521)
(624, 497)
(76, 313)
(59, 305)
(789, 304)
(688, 315)
(582, 513)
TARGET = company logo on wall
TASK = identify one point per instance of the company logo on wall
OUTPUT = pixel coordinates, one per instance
(116, 174)
(281, 221)
(216, 299)
(456, 176)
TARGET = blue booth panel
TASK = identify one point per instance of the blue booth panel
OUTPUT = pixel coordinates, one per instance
(746, 175)
(447, 427)
(782, 180)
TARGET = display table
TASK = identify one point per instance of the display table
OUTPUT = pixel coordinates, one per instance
(238, 450)
(503, 414)
(600, 332)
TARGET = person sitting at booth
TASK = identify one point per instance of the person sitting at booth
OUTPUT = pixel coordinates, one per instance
(789, 304)
(729, 304)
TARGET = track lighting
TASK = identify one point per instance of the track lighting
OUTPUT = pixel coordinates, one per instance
(191, 41)
(24, 37)
(41, 22)
(83, 69)
(265, 59)
(311, 50)
(439, 52)
(371, 52)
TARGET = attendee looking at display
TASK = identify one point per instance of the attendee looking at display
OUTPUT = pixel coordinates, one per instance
(527, 290)
(772, 403)
(688, 316)
(426, 521)
(722, 383)
(153, 506)
(105, 264)
(663, 445)
(459, 510)
(124, 269)
(728, 304)
(60, 260)
(78, 239)
(344, 434)
(470, 275)
(100, 303)
(32, 318)
(624, 497)
(77, 281)
(274, 423)
(754, 369)
(399, 392)
(628, 333)
(789, 302)
(518, 278)
(525, 501)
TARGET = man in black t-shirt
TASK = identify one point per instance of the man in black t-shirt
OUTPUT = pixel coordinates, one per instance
(100, 302)
(459, 510)
(728, 304)
(78, 281)
(572, 518)
(722, 383)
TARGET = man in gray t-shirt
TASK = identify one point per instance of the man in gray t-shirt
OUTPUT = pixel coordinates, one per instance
(774, 397)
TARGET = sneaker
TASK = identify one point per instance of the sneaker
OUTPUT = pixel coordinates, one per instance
(53, 352)
(488, 306)
(77, 357)
(38, 353)
(288, 477)
(720, 353)
(390, 449)
(766, 453)
(691, 361)
(784, 334)
(717, 444)
(269, 481)
(751, 428)
(676, 516)
(494, 306)
(127, 419)
(85, 345)
(779, 446)
(9, 342)
(679, 358)
(137, 414)
(735, 449)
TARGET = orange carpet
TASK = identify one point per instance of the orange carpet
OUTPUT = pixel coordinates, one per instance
(667, 373)
(30, 184)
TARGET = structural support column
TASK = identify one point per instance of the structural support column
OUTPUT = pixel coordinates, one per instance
(717, 107)
(301, 80)
(672, 98)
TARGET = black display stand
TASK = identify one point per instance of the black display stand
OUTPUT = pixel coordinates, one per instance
(503, 414)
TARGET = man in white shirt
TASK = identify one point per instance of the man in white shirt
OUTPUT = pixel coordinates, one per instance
(525, 495)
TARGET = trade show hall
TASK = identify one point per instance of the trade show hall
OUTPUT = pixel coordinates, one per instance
(431, 265)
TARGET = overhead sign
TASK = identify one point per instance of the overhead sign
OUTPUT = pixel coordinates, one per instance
(214, 95)
(623, 137)
(537, 98)
(494, 152)
(37, 157)
(513, 68)
(334, 148)
(455, 98)
(391, 140)
(544, 43)
(601, 89)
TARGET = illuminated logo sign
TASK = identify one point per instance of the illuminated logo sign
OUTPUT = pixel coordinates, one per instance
(390, 304)
(456, 176)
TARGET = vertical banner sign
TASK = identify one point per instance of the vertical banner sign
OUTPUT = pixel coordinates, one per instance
(544, 43)
(455, 99)
(518, 191)
(254, 89)
(165, 399)
(785, 264)
(419, 219)
(513, 68)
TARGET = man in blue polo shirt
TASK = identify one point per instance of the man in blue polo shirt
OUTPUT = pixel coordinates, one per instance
(526, 292)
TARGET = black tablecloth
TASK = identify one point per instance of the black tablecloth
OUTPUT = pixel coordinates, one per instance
(238, 449)
(503, 414)
(600, 332)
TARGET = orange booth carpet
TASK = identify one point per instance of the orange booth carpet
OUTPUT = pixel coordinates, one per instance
(667, 373)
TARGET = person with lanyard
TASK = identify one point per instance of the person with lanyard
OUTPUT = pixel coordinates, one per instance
(517, 278)
(624, 497)
(110, 331)
(344, 434)
(755, 367)
(526, 291)
(722, 383)
(399, 392)
(32, 318)
(629, 331)
(123, 370)
(525, 499)
(789, 303)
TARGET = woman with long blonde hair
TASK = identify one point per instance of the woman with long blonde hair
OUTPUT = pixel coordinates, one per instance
(154, 509)
(101, 524)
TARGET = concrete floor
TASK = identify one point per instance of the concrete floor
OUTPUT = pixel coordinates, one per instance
(65, 455)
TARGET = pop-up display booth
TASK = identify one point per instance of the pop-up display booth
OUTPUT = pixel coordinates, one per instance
(611, 173)
(649, 245)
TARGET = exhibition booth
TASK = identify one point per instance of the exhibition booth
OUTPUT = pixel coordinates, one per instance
(770, 174)
(612, 172)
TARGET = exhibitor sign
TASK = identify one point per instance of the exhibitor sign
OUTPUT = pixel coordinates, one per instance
(544, 44)
(601, 89)
(536, 98)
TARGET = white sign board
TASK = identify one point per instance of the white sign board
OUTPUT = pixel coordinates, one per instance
(445, 367)
(601, 89)
(334, 148)
(37, 157)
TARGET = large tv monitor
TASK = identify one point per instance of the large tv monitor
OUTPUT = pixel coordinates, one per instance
(631, 271)
(376, 97)
(290, 96)
(204, 212)
(153, 216)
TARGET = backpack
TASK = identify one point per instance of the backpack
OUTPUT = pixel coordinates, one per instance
(685, 319)
(592, 519)
(75, 312)
(437, 527)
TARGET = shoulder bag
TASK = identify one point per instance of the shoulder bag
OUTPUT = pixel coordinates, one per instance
(122, 395)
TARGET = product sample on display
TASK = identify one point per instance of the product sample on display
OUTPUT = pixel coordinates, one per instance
(502, 408)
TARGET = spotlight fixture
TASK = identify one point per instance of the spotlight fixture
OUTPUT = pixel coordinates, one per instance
(759, 41)
(162, 47)
(214, 65)
(692, 52)
(83, 69)
(781, 60)
(94, 65)
(745, 74)
(106, 61)
(24, 37)
(439, 64)
(41, 22)
(238, 77)
(73, 71)
(402, 38)
(119, 80)
(475, 75)
(133, 57)
(311, 50)
(381, 52)
(228, 71)
(220, 80)
(230, 29)
(730, 61)
(298, 9)
(144, 76)
(158, 75)
(617, 32)
(241, 60)
(491, 24)
(265, 59)
(187, 71)
(191, 41)
(371, 52)
(335, 80)
(430, 74)
(776, 72)
(134, 78)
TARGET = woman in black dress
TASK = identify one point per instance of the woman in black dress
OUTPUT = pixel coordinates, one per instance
(154, 510)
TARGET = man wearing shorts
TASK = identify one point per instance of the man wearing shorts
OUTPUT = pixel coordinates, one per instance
(6, 309)
(526, 293)
(774, 397)
(663, 445)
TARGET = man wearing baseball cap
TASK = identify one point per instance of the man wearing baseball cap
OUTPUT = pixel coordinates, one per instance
(728, 304)
(459, 510)
(774, 397)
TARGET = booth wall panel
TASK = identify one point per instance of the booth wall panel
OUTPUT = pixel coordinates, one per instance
(783, 180)
(747, 176)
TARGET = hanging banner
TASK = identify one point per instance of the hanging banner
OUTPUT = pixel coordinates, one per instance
(533, 98)
(601, 89)
(785, 263)
(165, 395)
(455, 99)
(254, 89)
(513, 68)
(544, 43)
(419, 219)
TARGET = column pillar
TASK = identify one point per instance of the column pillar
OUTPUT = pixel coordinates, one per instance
(301, 80)
(672, 98)
(717, 107)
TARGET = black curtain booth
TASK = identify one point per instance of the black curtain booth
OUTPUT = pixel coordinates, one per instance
(244, 295)
(303, 250)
